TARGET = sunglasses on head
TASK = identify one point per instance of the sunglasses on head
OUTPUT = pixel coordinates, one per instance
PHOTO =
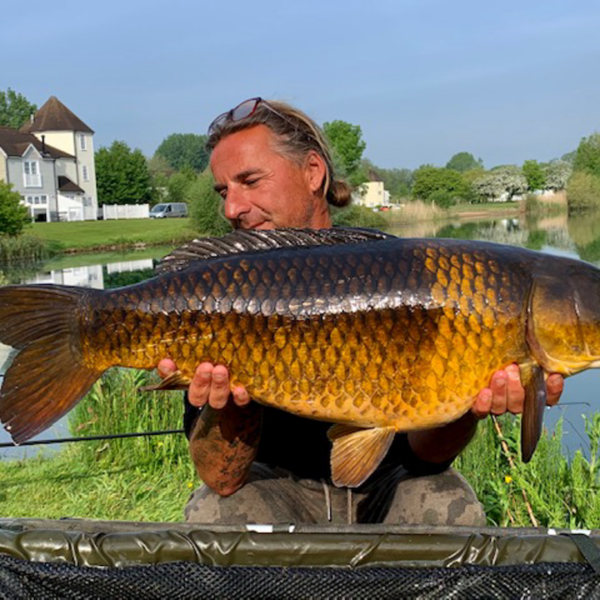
(242, 111)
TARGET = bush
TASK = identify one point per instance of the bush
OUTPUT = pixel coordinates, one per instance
(430, 180)
(206, 207)
(583, 191)
(14, 216)
(443, 198)
(358, 216)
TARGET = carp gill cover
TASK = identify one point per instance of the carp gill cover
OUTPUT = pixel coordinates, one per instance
(373, 333)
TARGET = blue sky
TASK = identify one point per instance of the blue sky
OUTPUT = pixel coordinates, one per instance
(507, 81)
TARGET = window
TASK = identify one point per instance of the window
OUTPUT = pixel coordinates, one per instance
(31, 174)
(84, 173)
(38, 200)
(82, 142)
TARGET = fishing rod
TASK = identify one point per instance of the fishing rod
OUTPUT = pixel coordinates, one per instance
(90, 438)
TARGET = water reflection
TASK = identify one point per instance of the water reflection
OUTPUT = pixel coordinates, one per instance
(97, 276)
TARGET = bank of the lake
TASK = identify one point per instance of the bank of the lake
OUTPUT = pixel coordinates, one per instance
(101, 236)
(86, 236)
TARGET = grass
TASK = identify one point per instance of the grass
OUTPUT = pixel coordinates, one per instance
(139, 479)
(113, 234)
(550, 491)
(501, 208)
(149, 479)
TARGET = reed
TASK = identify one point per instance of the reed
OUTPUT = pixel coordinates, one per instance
(24, 248)
(114, 405)
(414, 211)
(551, 203)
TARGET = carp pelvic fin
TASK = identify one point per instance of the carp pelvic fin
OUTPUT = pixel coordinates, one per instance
(357, 452)
(533, 409)
(175, 381)
(47, 376)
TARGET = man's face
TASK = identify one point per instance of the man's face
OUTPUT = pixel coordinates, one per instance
(262, 189)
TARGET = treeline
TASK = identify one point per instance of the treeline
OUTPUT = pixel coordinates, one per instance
(464, 179)
(177, 172)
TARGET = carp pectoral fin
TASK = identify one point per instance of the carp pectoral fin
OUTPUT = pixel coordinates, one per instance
(533, 409)
(356, 452)
(175, 381)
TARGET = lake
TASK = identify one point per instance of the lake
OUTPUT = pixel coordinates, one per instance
(568, 236)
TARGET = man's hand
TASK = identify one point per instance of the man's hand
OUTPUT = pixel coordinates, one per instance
(210, 384)
(506, 394)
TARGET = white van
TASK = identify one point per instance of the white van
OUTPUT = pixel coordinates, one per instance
(169, 209)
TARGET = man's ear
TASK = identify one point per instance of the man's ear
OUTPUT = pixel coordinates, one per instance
(315, 170)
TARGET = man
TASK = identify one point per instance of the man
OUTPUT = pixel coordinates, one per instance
(273, 169)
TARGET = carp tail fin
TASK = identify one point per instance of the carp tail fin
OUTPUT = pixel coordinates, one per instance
(47, 376)
(356, 452)
(533, 410)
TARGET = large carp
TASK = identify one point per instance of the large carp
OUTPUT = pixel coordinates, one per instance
(376, 335)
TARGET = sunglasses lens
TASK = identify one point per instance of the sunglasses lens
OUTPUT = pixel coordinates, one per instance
(216, 123)
(245, 109)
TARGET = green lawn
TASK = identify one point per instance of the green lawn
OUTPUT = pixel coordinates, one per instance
(119, 233)
(488, 207)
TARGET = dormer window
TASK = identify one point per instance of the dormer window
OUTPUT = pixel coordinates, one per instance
(31, 174)
(82, 142)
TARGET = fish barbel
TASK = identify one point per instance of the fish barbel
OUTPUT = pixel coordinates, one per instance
(377, 336)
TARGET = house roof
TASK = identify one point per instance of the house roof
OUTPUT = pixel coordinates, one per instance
(14, 143)
(55, 116)
(66, 185)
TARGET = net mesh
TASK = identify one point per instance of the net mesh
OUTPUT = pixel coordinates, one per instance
(20, 579)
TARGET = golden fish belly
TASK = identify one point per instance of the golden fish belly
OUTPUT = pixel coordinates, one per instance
(341, 350)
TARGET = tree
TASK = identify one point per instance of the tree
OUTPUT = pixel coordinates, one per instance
(569, 157)
(507, 180)
(206, 206)
(178, 185)
(184, 150)
(557, 174)
(534, 174)
(347, 148)
(429, 181)
(587, 158)
(15, 109)
(464, 161)
(122, 175)
(583, 191)
(14, 216)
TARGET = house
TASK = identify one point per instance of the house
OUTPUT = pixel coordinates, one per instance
(50, 162)
(372, 194)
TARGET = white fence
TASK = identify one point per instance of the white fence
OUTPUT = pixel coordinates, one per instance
(125, 211)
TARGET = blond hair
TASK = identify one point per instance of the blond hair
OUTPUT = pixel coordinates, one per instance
(296, 136)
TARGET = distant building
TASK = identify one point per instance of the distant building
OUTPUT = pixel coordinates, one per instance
(50, 162)
(372, 194)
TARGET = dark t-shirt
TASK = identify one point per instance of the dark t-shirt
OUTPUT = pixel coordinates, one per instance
(301, 445)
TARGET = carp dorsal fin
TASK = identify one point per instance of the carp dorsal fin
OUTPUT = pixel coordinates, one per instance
(534, 383)
(240, 241)
(356, 452)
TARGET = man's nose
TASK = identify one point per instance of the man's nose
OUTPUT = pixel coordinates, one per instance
(235, 205)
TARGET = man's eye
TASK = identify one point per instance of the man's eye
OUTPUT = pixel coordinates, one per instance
(223, 194)
(251, 181)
